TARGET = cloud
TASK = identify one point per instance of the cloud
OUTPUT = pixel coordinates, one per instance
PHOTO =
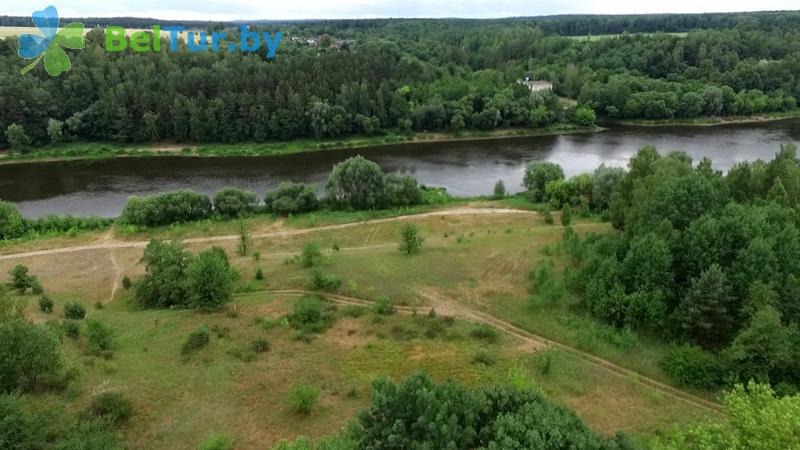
(327, 9)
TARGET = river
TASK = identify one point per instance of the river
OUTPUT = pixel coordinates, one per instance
(463, 167)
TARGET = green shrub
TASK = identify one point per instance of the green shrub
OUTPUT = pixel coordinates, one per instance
(216, 441)
(410, 239)
(99, 336)
(325, 282)
(197, 339)
(353, 311)
(291, 198)
(20, 278)
(72, 329)
(259, 345)
(126, 283)
(12, 224)
(20, 429)
(383, 306)
(74, 311)
(693, 366)
(302, 398)
(30, 356)
(111, 406)
(484, 332)
(259, 274)
(310, 315)
(166, 208)
(209, 279)
(232, 203)
(548, 216)
(499, 190)
(311, 255)
(566, 215)
(46, 304)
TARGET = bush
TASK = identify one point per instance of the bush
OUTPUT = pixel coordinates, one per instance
(19, 428)
(74, 311)
(291, 198)
(499, 190)
(310, 314)
(693, 366)
(259, 345)
(209, 279)
(21, 280)
(12, 225)
(197, 339)
(410, 240)
(486, 333)
(325, 282)
(216, 441)
(111, 406)
(383, 306)
(166, 208)
(163, 284)
(401, 190)
(72, 329)
(30, 356)
(302, 398)
(126, 283)
(259, 274)
(548, 216)
(311, 255)
(99, 336)
(566, 215)
(232, 203)
(17, 138)
(46, 304)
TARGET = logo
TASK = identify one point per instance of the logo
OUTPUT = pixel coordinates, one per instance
(150, 41)
(49, 46)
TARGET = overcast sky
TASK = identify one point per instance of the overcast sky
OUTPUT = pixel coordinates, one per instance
(331, 9)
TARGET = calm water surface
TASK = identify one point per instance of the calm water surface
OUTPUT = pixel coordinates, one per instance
(464, 168)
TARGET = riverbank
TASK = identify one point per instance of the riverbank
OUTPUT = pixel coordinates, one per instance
(99, 151)
(710, 121)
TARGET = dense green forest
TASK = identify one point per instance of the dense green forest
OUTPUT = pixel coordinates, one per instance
(701, 258)
(412, 75)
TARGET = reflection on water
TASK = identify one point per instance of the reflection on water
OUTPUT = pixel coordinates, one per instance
(464, 168)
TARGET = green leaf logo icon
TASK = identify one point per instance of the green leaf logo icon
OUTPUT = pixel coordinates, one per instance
(50, 44)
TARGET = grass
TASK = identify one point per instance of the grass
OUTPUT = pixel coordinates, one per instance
(238, 384)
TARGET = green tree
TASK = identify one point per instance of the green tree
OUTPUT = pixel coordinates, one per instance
(12, 225)
(99, 336)
(566, 215)
(706, 314)
(499, 190)
(291, 198)
(231, 202)
(537, 175)
(757, 420)
(410, 239)
(585, 116)
(17, 138)
(763, 349)
(55, 131)
(356, 183)
(163, 284)
(29, 356)
(209, 279)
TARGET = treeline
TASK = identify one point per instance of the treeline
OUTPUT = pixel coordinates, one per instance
(354, 184)
(399, 76)
(13, 225)
(705, 259)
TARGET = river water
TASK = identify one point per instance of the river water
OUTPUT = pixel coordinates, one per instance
(464, 168)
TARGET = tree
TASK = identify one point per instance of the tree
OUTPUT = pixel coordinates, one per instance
(243, 248)
(566, 215)
(356, 183)
(20, 278)
(757, 419)
(12, 225)
(410, 239)
(764, 349)
(499, 190)
(706, 314)
(99, 336)
(232, 203)
(585, 116)
(17, 138)
(29, 356)
(291, 198)
(537, 175)
(163, 284)
(401, 190)
(604, 182)
(55, 131)
(209, 279)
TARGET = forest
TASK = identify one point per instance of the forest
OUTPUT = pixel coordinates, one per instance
(413, 75)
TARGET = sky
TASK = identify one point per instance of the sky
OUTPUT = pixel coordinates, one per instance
(336, 9)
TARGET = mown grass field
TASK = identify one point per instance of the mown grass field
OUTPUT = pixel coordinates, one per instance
(469, 262)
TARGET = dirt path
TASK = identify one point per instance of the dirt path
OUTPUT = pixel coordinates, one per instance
(460, 311)
(111, 245)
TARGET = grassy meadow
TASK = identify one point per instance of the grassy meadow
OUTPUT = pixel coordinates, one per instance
(469, 262)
